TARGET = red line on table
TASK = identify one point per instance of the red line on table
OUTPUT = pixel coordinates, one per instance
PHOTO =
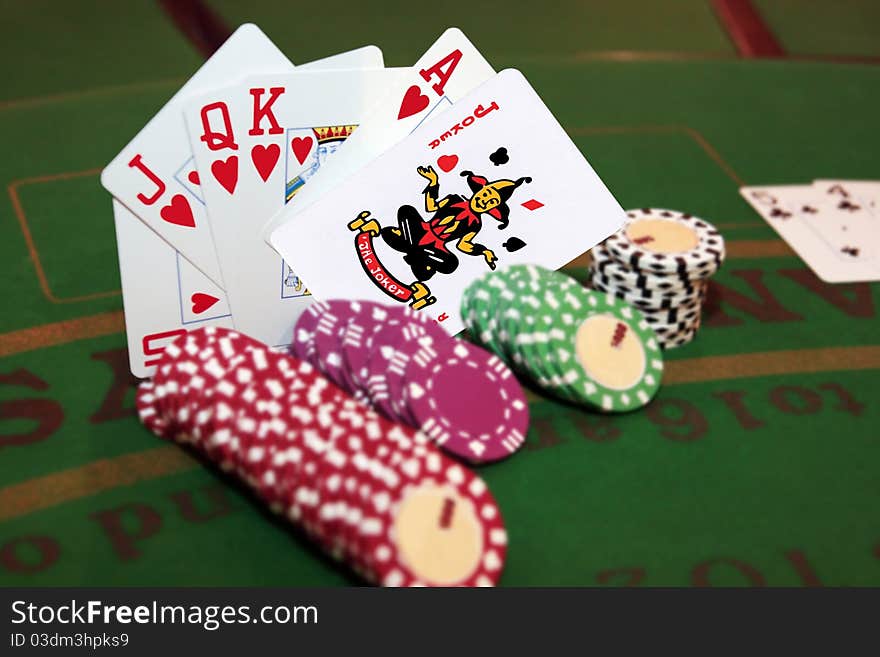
(751, 36)
(200, 24)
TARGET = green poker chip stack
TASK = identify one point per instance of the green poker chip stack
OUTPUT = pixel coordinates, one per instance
(585, 347)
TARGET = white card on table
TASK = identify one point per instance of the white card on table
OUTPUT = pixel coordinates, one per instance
(836, 237)
(450, 69)
(163, 294)
(866, 192)
(492, 182)
(155, 175)
(852, 224)
(255, 145)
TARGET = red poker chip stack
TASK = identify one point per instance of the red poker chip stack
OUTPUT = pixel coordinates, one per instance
(371, 492)
(401, 363)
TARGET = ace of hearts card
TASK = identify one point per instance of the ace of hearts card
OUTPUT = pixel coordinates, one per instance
(493, 181)
(446, 72)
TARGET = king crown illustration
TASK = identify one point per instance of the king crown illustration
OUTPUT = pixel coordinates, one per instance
(333, 132)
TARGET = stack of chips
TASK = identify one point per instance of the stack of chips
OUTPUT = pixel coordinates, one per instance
(374, 494)
(660, 262)
(400, 362)
(581, 346)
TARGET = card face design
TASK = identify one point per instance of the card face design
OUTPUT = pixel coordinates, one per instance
(307, 149)
(850, 225)
(200, 298)
(171, 277)
(447, 71)
(163, 294)
(187, 176)
(434, 242)
(493, 181)
(155, 175)
(832, 227)
(256, 145)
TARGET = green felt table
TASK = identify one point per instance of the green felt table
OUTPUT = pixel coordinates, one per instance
(757, 463)
(843, 27)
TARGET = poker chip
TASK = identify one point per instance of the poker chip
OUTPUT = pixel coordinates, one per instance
(398, 374)
(586, 347)
(369, 351)
(667, 241)
(609, 357)
(467, 400)
(303, 343)
(675, 315)
(371, 492)
(326, 347)
(679, 339)
(221, 440)
(660, 262)
(478, 301)
(446, 531)
(145, 403)
(353, 341)
(616, 273)
(381, 347)
(649, 299)
(392, 350)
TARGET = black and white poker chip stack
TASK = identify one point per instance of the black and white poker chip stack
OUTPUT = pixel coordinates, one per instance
(660, 262)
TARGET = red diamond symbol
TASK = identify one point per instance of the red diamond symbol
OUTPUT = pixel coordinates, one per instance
(532, 204)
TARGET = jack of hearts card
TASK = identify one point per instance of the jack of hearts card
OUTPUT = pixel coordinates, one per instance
(163, 293)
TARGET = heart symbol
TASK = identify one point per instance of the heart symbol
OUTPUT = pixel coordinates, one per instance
(201, 302)
(265, 158)
(414, 101)
(193, 177)
(447, 162)
(226, 172)
(416, 391)
(178, 212)
(301, 146)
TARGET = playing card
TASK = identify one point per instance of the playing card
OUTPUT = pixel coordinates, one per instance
(851, 225)
(163, 294)
(865, 192)
(256, 144)
(155, 174)
(833, 230)
(450, 69)
(492, 182)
